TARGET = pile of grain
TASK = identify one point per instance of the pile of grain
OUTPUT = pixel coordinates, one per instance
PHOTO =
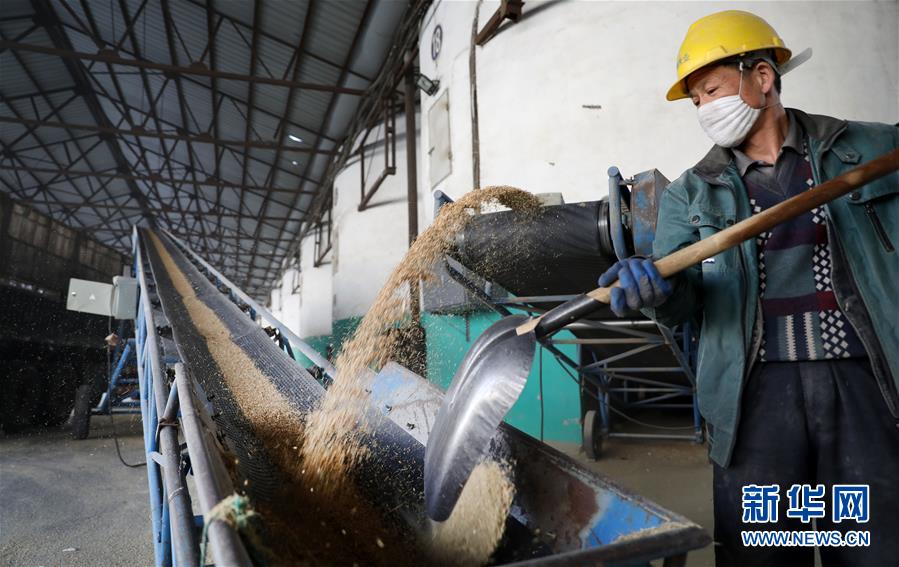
(259, 399)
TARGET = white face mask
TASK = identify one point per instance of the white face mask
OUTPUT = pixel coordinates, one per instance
(728, 120)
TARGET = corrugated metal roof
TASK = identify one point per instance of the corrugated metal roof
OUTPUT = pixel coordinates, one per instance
(125, 97)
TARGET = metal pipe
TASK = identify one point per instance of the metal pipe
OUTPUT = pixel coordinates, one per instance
(615, 369)
(411, 153)
(616, 226)
(440, 199)
(631, 341)
(210, 477)
(105, 404)
(181, 517)
(171, 407)
(614, 323)
(161, 553)
(412, 175)
(181, 522)
(295, 341)
(651, 436)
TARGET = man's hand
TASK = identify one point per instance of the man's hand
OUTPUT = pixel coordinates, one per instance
(641, 285)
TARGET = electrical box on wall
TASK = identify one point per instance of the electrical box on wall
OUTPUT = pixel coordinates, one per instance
(89, 297)
(118, 300)
(124, 297)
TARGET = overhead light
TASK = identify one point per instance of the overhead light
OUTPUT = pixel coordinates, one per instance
(294, 162)
(427, 85)
(296, 139)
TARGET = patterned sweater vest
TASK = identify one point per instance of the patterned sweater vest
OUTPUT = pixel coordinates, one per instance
(802, 320)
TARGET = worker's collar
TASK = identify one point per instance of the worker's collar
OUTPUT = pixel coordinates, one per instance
(792, 141)
(822, 130)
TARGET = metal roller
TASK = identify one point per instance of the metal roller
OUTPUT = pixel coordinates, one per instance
(568, 246)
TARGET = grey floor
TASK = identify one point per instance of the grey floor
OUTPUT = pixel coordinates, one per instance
(66, 502)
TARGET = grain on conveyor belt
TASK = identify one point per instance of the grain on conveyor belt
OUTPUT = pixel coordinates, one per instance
(346, 529)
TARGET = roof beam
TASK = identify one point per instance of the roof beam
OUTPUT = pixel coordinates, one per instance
(215, 101)
(170, 31)
(326, 119)
(48, 18)
(139, 132)
(251, 93)
(95, 206)
(195, 68)
(154, 178)
(236, 154)
(288, 104)
(51, 157)
(210, 7)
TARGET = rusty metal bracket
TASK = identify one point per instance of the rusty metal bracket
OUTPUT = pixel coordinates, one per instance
(508, 9)
(389, 121)
(322, 238)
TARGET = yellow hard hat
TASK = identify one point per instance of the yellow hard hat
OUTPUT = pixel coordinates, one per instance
(720, 36)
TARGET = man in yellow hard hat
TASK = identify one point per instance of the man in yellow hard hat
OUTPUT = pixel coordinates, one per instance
(799, 345)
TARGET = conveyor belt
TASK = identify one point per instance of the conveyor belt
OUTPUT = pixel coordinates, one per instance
(392, 482)
(562, 512)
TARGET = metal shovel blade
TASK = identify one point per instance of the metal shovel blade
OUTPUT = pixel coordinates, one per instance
(484, 388)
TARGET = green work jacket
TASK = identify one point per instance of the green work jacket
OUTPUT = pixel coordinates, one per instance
(722, 294)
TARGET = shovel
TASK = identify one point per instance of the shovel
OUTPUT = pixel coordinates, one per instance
(495, 369)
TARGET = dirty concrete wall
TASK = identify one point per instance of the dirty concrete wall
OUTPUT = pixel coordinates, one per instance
(576, 87)
(368, 244)
(302, 298)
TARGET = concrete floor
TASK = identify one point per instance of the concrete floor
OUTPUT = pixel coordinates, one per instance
(66, 502)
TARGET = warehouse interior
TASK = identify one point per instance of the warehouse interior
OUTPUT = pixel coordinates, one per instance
(253, 254)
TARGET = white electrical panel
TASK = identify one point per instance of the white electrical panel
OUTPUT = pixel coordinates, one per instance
(124, 297)
(89, 297)
(118, 300)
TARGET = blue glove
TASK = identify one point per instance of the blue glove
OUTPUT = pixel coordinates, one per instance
(641, 285)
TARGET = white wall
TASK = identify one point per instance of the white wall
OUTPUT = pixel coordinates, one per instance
(370, 243)
(316, 291)
(366, 245)
(534, 79)
(307, 313)
(283, 303)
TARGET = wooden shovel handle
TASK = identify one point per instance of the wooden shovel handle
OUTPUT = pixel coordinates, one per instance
(757, 224)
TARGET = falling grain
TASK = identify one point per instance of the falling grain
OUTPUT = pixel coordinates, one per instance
(333, 445)
(476, 525)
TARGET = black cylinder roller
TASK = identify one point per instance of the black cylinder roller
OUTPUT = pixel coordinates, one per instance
(560, 250)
